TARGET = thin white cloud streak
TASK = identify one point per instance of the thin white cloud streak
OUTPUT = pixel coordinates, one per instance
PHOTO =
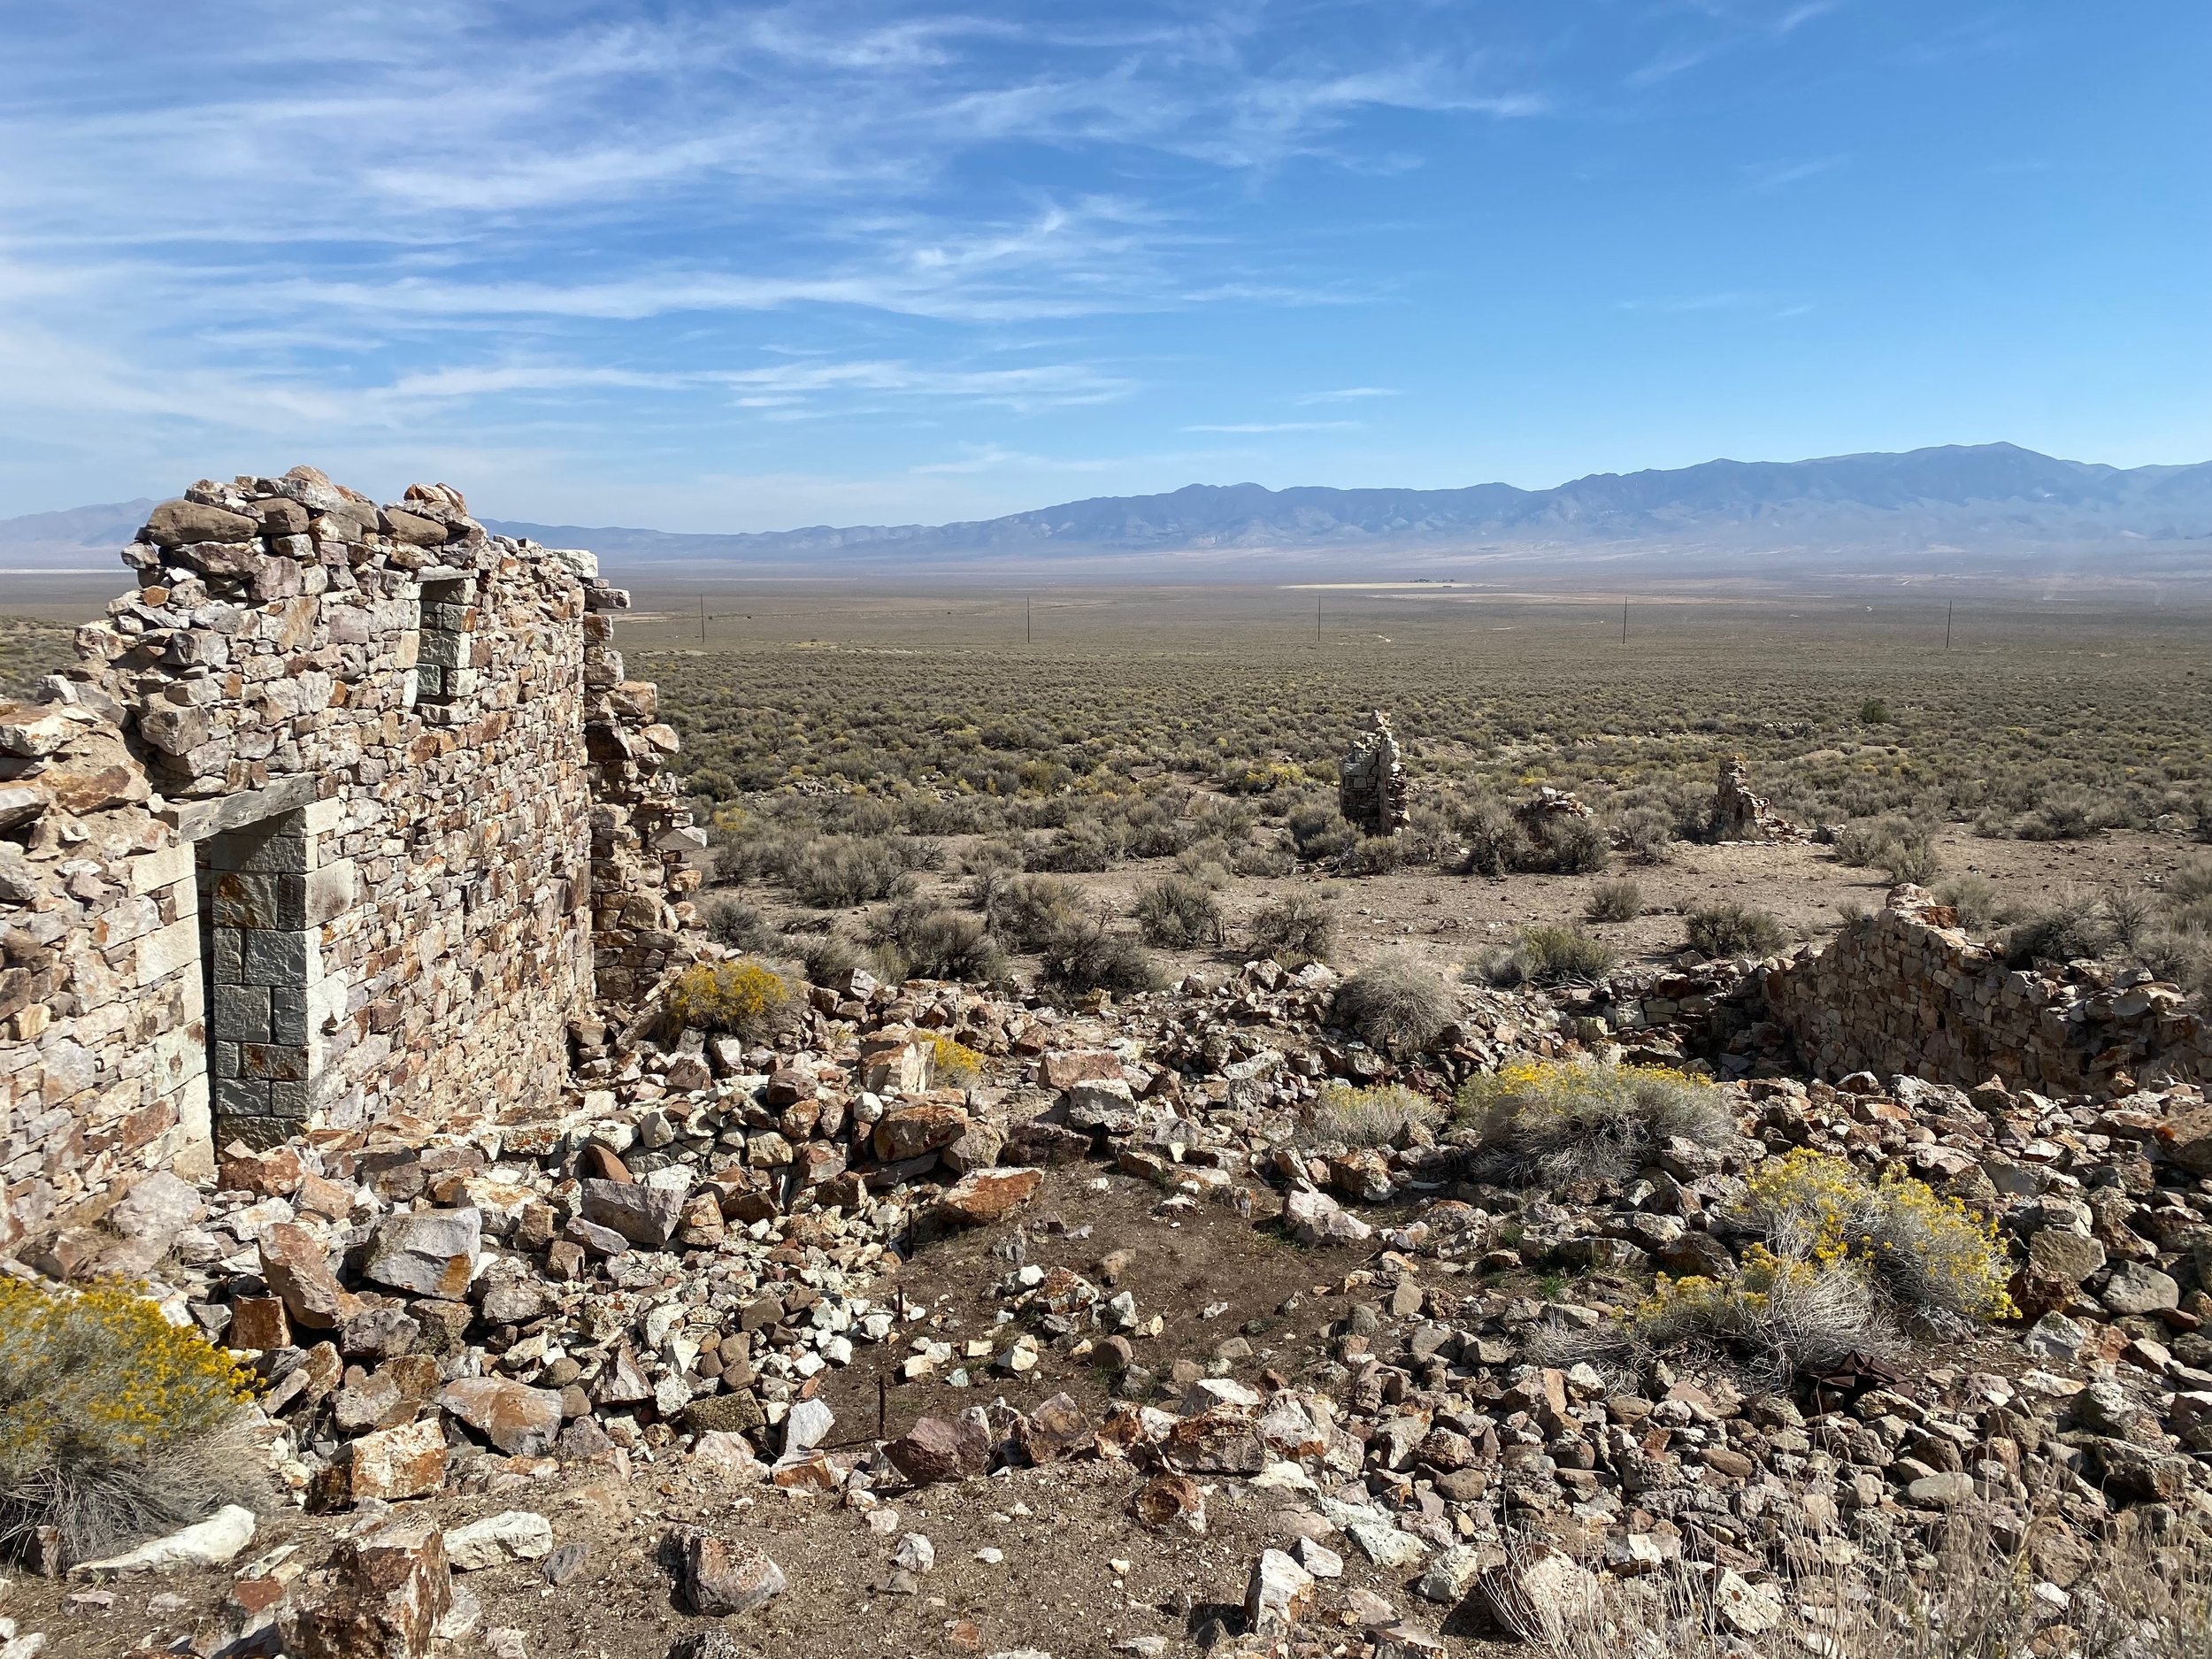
(1347, 393)
(1280, 425)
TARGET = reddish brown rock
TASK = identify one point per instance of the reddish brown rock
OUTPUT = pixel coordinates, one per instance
(389, 1464)
(389, 1588)
(906, 1131)
(1167, 1500)
(1064, 1068)
(721, 1580)
(940, 1448)
(521, 1421)
(258, 1322)
(297, 1268)
(984, 1196)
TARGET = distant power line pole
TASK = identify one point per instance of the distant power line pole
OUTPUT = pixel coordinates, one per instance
(1317, 618)
(703, 619)
(1026, 634)
(1624, 625)
(1947, 610)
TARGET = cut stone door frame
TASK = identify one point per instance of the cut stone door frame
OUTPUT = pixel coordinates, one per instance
(266, 891)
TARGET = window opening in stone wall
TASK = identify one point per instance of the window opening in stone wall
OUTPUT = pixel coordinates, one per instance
(258, 960)
(445, 665)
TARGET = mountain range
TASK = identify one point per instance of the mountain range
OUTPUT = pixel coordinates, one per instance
(1981, 508)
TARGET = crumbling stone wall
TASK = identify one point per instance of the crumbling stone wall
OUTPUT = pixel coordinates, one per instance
(330, 824)
(1906, 991)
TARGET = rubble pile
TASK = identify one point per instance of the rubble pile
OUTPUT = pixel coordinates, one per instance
(1741, 815)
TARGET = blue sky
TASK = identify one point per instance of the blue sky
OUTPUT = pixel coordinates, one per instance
(746, 267)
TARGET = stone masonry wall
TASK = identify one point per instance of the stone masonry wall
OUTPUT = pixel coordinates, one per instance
(324, 829)
(1906, 991)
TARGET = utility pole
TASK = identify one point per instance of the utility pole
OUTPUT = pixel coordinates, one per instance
(1026, 634)
(1947, 610)
(703, 619)
(1317, 618)
(1624, 625)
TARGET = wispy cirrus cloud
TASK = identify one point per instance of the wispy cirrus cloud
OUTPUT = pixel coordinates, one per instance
(1279, 425)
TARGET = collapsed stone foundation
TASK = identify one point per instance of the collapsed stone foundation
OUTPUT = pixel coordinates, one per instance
(346, 814)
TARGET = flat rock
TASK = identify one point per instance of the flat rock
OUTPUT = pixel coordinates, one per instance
(985, 1195)
(1317, 1218)
(722, 1580)
(513, 1535)
(521, 1421)
(430, 1252)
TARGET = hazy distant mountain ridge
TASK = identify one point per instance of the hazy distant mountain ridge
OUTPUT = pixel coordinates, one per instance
(1868, 511)
(1936, 496)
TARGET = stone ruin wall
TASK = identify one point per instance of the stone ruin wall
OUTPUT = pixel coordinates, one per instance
(1906, 991)
(346, 812)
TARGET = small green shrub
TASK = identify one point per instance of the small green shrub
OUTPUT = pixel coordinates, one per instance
(1177, 913)
(1646, 835)
(1915, 860)
(1616, 901)
(1081, 846)
(1874, 711)
(1492, 835)
(1730, 929)
(1381, 1116)
(1087, 955)
(735, 924)
(1319, 832)
(1547, 953)
(1295, 930)
(839, 872)
(1025, 910)
(830, 956)
(747, 998)
(1393, 1005)
(1558, 1121)
(115, 1425)
(933, 942)
(2072, 924)
(2066, 813)
(1975, 898)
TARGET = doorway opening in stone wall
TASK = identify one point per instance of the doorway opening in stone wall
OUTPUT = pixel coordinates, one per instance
(257, 958)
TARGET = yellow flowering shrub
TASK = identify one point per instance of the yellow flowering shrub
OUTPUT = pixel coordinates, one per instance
(957, 1065)
(1923, 1251)
(1555, 1121)
(114, 1423)
(747, 997)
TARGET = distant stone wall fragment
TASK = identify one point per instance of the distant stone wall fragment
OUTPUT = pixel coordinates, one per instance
(1906, 991)
(1741, 815)
(1371, 780)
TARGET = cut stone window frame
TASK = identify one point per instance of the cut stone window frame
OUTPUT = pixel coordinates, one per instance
(442, 684)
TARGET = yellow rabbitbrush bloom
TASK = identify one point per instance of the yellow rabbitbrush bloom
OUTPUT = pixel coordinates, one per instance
(101, 1367)
(955, 1064)
(1926, 1252)
(744, 997)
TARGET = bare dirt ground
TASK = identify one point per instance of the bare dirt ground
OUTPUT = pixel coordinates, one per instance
(1075, 1573)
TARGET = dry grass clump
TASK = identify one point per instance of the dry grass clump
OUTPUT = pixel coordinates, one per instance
(1553, 1122)
(1382, 1116)
(1778, 1316)
(1972, 1596)
(1295, 929)
(1393, 1005)
(115, 1425)
(747, 998)
(1500, 842)
(1318, 831)
(1546, 954)
(1620, 900)
(1177, 913)
(1730, 929)
(2071, 925)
